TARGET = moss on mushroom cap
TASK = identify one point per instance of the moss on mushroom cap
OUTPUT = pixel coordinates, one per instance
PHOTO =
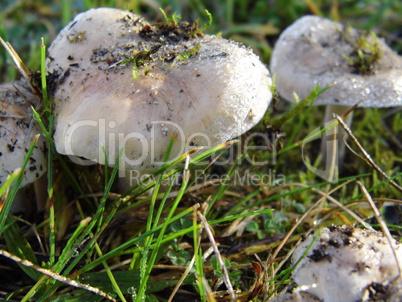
(136, 85)
(359, 65)
(17, 130)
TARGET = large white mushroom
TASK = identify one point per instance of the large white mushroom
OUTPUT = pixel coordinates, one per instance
(122, 83)
(348, 264)
(359, 66)
(17, 131)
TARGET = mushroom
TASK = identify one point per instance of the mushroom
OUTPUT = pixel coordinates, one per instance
(119, 82)
(359, 66)
(17, 131)
(348, 264)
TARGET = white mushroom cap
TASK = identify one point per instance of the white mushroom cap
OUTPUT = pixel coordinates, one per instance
(343, 262)
(206, 89)
(17, 131)
(315, 50)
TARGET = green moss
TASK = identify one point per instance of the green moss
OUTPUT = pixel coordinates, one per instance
(189, 53)
(77, 38)
(365, 54)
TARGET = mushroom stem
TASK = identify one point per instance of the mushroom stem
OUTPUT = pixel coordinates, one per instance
(40, 187)
(127, 181)
(20, 204)
(332, 145)
(23, 200)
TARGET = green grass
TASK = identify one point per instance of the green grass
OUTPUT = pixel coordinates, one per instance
(139, 245)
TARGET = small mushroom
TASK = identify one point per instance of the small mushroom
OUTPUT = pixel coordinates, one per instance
(17, 131)
(348, 264)
(359, 66)
(119, 82)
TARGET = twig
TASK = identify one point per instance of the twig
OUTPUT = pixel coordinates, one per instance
(17, 60)
(396, 140)
(13, 116)
(367, 157)
(56, 276)
(189, 266)
(225, 274)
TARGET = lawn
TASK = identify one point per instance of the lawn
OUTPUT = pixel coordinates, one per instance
(202, 228)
